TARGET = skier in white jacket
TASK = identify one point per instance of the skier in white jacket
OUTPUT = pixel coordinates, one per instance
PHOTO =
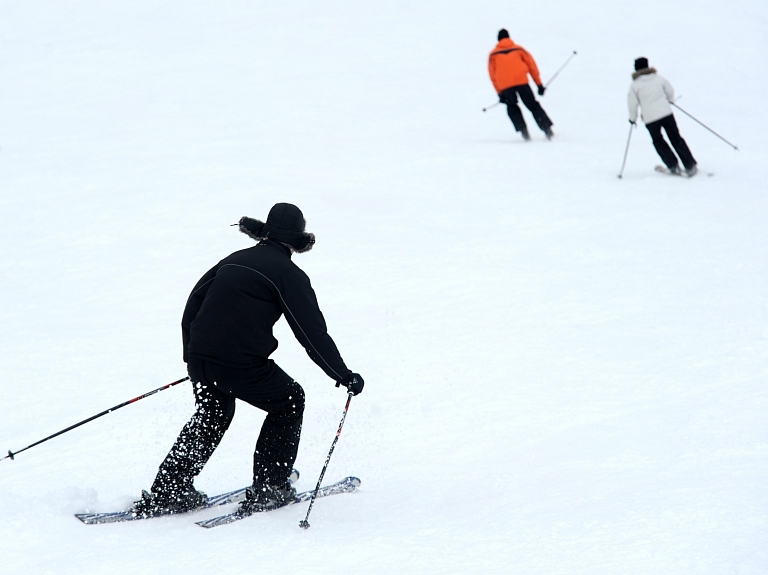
(653, 93)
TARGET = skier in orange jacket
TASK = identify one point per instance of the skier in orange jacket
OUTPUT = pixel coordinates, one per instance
(509, 66)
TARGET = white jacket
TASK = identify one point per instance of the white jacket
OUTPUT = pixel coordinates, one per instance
(652, 93)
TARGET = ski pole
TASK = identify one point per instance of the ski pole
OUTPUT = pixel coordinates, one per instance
(626, 151)
(304, 524)
(13, 454)
(491, 106)
(568, 61)
(703, 124)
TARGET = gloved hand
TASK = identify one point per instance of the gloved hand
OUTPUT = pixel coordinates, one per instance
(632, 122)
(502, 99)
(541, 89)
(353, 382)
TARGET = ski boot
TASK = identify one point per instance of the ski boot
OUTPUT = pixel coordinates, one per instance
(525, 134)
(549, 133)
(152, 504)
(263, 497)
(692, 171)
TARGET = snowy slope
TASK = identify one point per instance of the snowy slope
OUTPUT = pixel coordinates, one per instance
(565, 372)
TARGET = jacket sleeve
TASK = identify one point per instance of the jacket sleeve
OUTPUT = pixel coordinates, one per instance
(533, 69)
(194, 303)
(632, 104)
(302, 312)
(492, 72)
(669, 91)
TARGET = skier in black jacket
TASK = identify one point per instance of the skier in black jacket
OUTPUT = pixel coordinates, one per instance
(227, 337)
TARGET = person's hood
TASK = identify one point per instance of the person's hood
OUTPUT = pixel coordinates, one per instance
(643, 72)
(505, 44)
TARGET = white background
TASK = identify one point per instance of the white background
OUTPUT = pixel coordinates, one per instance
(565, 372)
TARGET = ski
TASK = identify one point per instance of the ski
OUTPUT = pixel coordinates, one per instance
(346, 485)
(665, 170)
(682, 174)
(119, 516)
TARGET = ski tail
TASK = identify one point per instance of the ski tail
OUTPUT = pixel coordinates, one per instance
(214, 501)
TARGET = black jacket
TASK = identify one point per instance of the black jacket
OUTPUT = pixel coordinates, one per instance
(231, 311)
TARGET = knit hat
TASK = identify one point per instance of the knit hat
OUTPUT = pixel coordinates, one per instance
(285, 224)
(641, 63)
(503, 34)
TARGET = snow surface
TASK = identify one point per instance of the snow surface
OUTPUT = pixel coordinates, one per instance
(565, 372)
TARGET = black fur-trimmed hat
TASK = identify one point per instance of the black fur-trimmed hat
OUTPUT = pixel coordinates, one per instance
(641, 63)
(285, 224)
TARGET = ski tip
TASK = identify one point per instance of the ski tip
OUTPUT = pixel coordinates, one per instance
(353, 481)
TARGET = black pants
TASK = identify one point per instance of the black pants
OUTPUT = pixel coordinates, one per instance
(509, 97)
(670, 127)
(266, 387)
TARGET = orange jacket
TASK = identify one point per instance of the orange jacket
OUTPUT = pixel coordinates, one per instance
(510, 64)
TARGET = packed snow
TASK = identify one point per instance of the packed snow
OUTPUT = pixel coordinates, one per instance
(565, 372)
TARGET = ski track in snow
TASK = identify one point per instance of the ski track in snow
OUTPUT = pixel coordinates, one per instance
(565, 372)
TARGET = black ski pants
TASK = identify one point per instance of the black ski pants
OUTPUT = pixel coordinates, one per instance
(509, 97)
(670, 127)
(216, 387)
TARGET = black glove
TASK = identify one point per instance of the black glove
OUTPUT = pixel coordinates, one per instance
(353, 382)
(541, 90)
(632, 122)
